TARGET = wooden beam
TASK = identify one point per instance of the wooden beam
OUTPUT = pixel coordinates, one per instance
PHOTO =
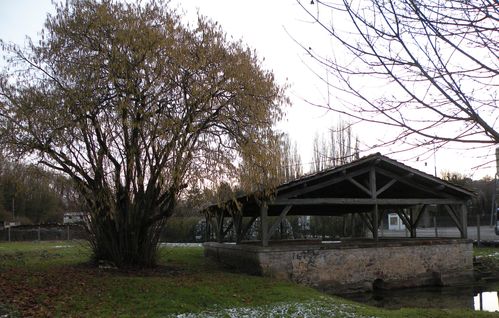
(440, 187)
(464, 221)
(410, 183)
(454, 217)
(264, 223)
(358, 185)
(283, 214)
(220, 222)
(321, 185)
(237, 220)
(386, 186)
(207, 234)
(228, 228)
(380, 218)
(247, 227)
(366, 219)
(375, 222)
(411, 220)
(372, 188)
(421, 212)
(404, 219)
(363, 201)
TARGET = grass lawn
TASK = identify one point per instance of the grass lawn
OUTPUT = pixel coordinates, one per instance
(52, 279)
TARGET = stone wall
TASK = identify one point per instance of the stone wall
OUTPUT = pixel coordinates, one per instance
(355, 265)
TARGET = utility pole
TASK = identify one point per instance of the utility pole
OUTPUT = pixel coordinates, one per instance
(495, 192)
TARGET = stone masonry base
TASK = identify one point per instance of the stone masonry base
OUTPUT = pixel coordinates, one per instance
(354, 265)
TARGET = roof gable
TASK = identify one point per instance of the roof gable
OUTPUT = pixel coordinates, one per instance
(393, 179)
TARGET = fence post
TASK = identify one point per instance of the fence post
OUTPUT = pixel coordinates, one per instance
(68, 231)
(38, 233)
(9, 233)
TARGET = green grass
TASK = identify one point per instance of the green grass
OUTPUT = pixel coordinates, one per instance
(42, 254)
(489, 252)
(50, 279)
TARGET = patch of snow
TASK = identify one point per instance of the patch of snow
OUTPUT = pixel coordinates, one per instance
(294, 310)
(495, 254)
(62, 246)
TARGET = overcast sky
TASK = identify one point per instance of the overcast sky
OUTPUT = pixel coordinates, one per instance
(270, 27)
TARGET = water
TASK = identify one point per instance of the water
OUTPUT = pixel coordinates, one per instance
(484, 297)
(486, 301)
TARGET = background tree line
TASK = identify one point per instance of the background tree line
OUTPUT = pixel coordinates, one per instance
(32, 195)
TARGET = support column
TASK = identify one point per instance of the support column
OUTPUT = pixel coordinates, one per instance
(246, 228)
(375, 222)
(372, 186)
(237, 220)
(264, 223)
(412, 222)
(464, 221)
(458, 218)
(207, 234)
(220, 225)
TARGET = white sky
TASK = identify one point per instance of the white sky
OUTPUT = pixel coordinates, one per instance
(268, 26)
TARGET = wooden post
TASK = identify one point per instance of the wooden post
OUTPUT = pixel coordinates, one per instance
(264, 223)
(38, 233)
(372, 186)
(207, 229)
(464, 221)
(412, 222)
(9, 233)
(237, 221)
(345, 225)
(363, 230)
(68, 232)
(478, 229)
(435, 225)
(352, 225)
(220, 225)
(382, 227)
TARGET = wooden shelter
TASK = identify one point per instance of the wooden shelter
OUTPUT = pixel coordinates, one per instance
(368, 187)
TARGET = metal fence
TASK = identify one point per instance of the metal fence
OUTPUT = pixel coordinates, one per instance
(43, 232)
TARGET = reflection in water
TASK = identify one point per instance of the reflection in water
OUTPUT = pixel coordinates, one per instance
(483, 297)
(487, 301)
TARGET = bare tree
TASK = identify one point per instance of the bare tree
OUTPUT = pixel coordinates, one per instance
(134, 106)
(427, 68)
(320, 152)
(336, 148)
(291, 163)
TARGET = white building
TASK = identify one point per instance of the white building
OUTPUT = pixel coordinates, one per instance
(395, 222)
(74, 217)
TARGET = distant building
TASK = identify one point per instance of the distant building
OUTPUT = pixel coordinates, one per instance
(395, 222)
(74, 217)
(7, 224)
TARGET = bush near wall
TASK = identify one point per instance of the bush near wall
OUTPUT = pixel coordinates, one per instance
(183, 230)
